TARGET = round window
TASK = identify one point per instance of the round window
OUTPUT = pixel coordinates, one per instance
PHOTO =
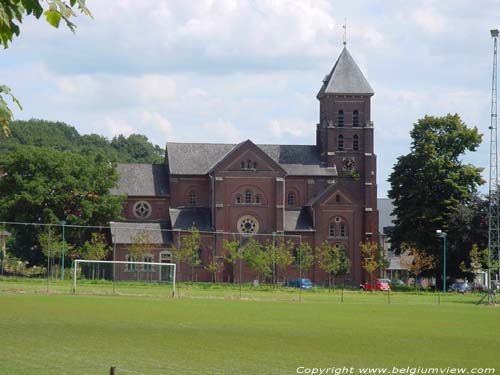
(142, 209)
(248, 224)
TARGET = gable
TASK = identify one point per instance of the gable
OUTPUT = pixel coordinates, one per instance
(332, 198)
(247, 156)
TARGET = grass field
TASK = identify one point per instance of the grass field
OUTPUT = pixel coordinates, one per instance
(209, 330)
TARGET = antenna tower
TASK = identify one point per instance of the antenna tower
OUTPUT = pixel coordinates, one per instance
(493, 210)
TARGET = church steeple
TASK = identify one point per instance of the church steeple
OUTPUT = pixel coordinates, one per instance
(345, 78)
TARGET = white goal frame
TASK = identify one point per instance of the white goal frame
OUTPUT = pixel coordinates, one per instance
(77, 261)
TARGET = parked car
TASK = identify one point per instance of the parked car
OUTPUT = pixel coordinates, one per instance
(300, 283)
(378, 284)
(460, 288)
(397, 282)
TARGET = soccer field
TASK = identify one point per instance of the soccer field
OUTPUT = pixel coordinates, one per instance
(209, 333)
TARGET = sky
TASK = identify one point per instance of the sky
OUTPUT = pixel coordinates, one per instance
(224, 71)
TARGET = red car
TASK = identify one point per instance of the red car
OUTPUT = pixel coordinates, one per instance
(379, 284)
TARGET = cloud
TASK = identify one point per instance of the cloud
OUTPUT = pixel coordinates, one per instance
(293, 127)
(158, 121)
(113, 126)
(429, 20)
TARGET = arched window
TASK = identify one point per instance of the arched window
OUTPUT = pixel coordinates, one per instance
(192, 198)
(343, 230)
(337, 198)
(238, 199)
(249, 164)
(340, 118)
(331, 230)
(340, 142)
(248, 197)
(242, 165)
(254, 165)
(355, 143)
(355, 118)
(257, 198)
(291, 198)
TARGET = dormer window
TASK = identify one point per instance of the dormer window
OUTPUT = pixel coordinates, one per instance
(355, 118)
(355, 143)
(192, 198)
(340, 142)
(340, 118)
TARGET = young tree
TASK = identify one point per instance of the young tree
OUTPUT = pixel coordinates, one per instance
(214, 267)
(50, 242)
(429, 184)
(304, 258)
(187, 252)
(140, 247)
(12, 13)
(258, 259)
(284, 256)
(421, 262)
(232, 254)
(95, 249)
(333, 260)
(372, 258)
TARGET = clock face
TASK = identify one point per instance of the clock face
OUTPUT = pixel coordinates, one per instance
(348, 164)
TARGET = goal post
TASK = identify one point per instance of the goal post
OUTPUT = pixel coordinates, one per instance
(115, 262)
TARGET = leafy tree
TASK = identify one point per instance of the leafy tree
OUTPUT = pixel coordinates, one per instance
(187, 251)
(333, 260)
(431, 183)
(141, 246)
(304, 257)
(12, 13)
(214, 267)
(232, 254)
(50, 242)
(63, 137)
(372, 258)
(284, 256)
(95, 249)
(258, 259)
(45, 186)
(421, 262)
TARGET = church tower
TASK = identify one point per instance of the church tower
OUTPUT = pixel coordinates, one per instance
(344, 135)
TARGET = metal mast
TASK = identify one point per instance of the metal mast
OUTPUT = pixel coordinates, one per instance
(493, 210)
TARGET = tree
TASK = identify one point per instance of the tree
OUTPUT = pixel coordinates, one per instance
(95, 249)
(258, 259)
(431, 183)
(333, 260)
(214, 267)
(50, 242)
(304, 258)
(421, 262)
(12, 13)
(232, 254)
(372, 258)
(140, 247)
(187, 251)
(45, 186)
(284, 256)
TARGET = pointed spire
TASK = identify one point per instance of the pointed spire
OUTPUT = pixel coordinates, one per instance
(345, 78)
(345, 32)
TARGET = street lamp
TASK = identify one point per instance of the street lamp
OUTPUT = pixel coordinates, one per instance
(442, 234)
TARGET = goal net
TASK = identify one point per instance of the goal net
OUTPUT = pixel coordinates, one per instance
(123, 277)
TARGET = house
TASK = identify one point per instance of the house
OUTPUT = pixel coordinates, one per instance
(326, 191)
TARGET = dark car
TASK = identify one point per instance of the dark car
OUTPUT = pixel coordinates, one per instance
(460, 288)
(300, 283)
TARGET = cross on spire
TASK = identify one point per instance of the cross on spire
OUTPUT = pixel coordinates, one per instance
(345, 31)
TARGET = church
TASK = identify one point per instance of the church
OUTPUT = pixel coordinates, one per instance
(326, 191)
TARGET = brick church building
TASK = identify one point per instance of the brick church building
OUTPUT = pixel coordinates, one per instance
(326, 191)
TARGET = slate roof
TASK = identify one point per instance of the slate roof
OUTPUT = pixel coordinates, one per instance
(345, 78)
(298, 221)
(185, 218)
(199, 158)
(125, 232)
(142, 180)
(385, 208)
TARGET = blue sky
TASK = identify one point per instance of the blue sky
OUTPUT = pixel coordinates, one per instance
(225, 71)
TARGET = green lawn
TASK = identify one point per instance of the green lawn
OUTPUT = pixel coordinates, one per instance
(209, 330)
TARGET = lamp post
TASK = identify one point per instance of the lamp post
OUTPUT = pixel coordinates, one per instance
(442, 234)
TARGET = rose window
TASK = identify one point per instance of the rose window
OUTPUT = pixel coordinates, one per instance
(142, 209)
(248, 224)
